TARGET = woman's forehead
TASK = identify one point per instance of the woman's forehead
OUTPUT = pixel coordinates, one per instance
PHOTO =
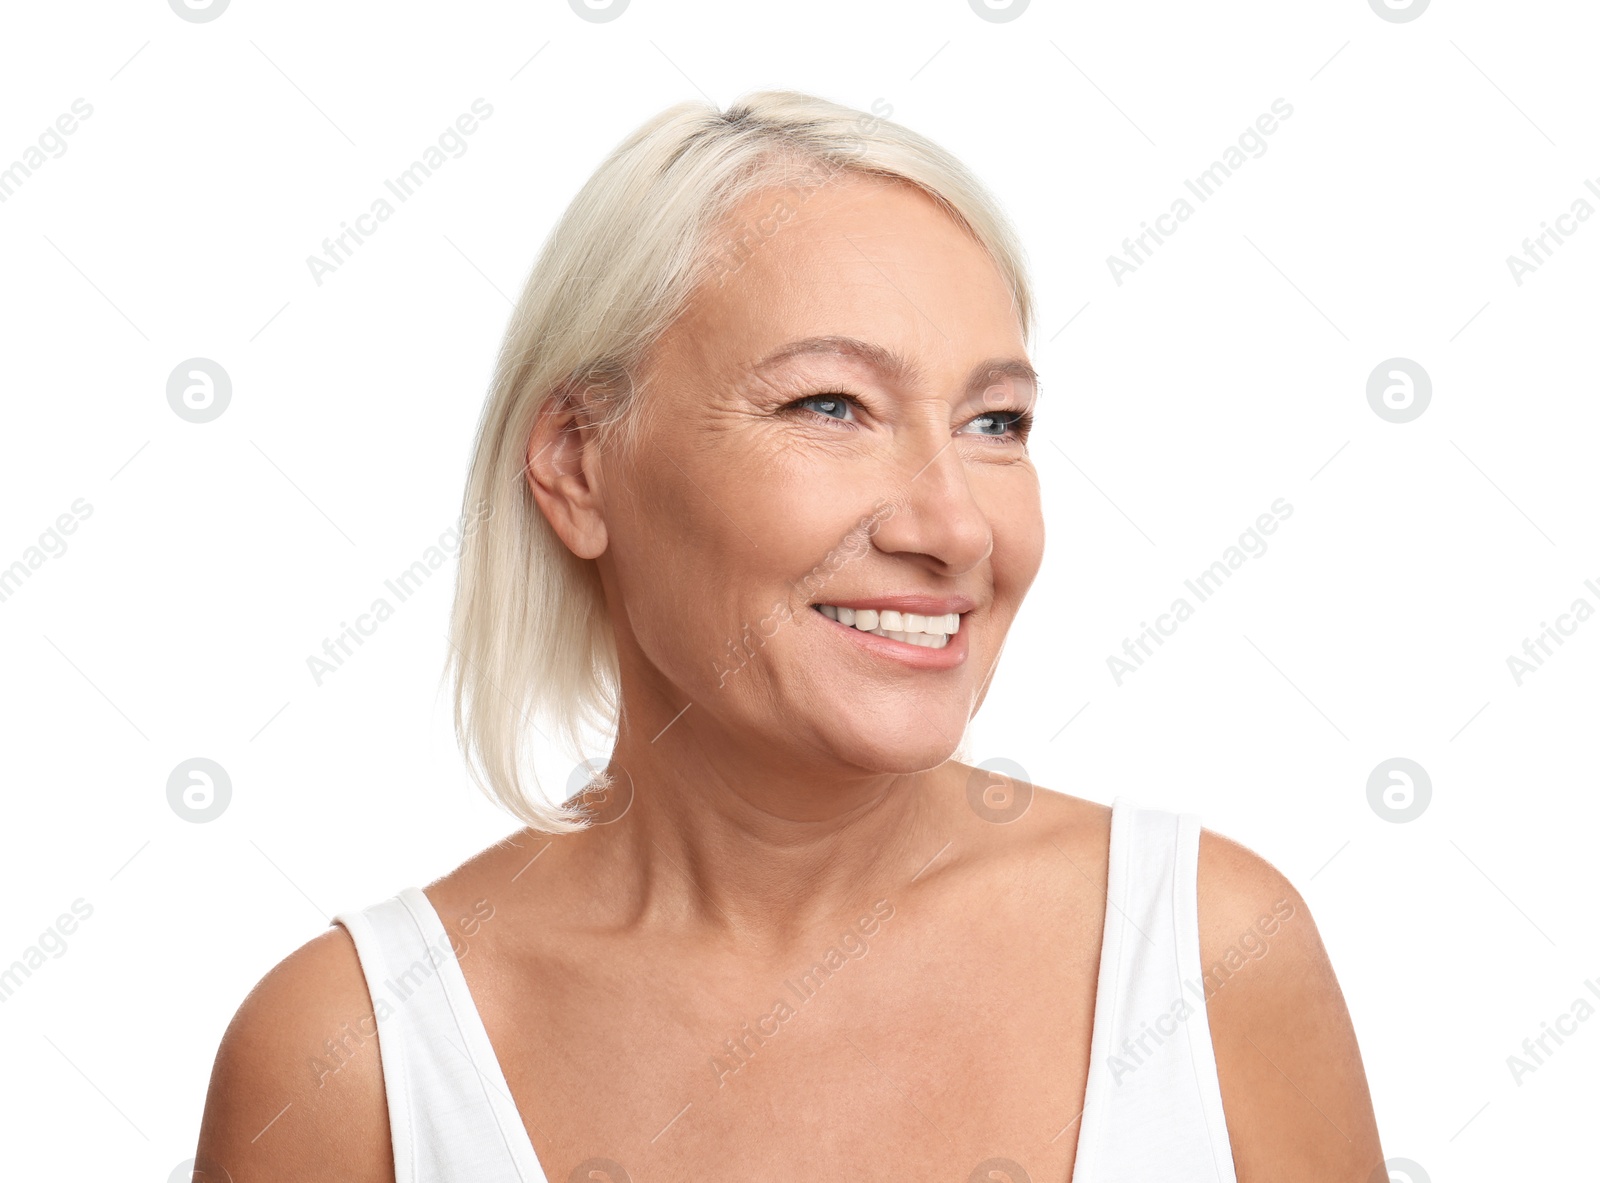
(867, 261)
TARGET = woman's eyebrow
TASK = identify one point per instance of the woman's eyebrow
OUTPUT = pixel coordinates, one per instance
(892, 365)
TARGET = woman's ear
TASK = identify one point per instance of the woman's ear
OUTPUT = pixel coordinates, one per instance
(562, 473)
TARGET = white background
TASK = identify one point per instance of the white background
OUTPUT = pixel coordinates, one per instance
(1228, 371)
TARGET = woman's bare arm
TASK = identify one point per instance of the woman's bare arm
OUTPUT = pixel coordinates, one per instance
(1293, 1086)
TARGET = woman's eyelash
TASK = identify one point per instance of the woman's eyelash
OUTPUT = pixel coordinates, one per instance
(1019, 422)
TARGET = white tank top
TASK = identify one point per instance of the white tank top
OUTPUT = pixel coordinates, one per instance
(1152, 1110)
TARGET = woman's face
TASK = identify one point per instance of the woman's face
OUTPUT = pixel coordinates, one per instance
(837, 420)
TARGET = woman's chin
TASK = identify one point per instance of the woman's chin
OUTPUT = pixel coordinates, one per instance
(896, 755)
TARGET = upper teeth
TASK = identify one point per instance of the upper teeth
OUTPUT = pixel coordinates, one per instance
(900, 626)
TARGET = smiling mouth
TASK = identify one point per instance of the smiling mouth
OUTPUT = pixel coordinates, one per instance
(910, 628)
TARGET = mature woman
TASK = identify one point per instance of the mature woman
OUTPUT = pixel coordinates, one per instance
(755, 489)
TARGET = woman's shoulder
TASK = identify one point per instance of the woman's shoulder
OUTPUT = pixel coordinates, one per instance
(296, 1087)
(524, 878)
(1022, 816)
(1294, 1091)
(1235, 885)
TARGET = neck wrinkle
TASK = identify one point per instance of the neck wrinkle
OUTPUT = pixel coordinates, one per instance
(762, 859)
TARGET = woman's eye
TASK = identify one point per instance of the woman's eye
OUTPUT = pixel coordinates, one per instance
(1000, 424)
(832, 406)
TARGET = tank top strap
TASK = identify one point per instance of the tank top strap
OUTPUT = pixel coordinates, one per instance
(1153, 1106)
(451, 1114)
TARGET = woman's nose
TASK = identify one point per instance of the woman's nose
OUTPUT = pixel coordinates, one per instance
(935, 512)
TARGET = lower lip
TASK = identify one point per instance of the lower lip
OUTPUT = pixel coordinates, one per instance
(919, 657)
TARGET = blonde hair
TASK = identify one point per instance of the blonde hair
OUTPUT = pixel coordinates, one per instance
(530, 635)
